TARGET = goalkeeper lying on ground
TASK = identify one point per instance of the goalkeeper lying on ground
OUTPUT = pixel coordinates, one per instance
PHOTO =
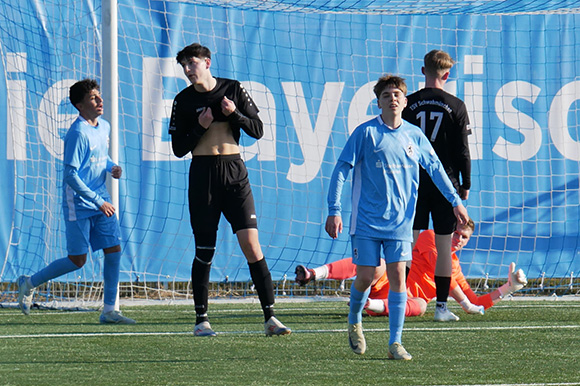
(420, 282)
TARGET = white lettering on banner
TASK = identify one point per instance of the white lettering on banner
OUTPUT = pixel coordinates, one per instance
(473, 103)
(313, 142)
(265, 148)
(515, 119)
(16, 108)
(357, 111)
(155, 109)
(16, 141)
(48, 114)
(558, 121)
(474, 65)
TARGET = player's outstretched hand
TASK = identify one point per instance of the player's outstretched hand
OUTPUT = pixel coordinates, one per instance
(516, 279)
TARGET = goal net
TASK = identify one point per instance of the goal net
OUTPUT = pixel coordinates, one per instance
(310, 67)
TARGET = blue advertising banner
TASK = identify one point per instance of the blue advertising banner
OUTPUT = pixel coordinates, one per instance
(311, 74)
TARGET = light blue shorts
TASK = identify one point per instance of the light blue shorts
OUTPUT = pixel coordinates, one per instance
(97, 231)
(367, 251)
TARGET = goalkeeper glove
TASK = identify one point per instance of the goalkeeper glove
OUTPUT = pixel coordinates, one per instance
(516, 281)
(471, 308)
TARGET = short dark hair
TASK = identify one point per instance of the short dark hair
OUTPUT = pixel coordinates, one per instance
(81, 88)
(193, 50)
(390, 81)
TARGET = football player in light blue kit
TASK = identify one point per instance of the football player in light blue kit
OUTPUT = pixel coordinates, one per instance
(386, 153)
(89, 215)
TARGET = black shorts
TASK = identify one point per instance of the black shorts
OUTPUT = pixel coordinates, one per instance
(431, 201)
(219, 184)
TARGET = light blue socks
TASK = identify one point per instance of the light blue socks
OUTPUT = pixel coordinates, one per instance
(63, 266)
(397, 304)
(357, 303)
(55, 269)
(111, 278)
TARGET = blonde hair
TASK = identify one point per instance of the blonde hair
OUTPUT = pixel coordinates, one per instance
(469, 225)
(437, 63)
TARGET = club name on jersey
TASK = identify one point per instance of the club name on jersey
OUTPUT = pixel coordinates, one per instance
(392, 169)
(431, 102)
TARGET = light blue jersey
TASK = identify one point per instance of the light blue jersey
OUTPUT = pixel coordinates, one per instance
(386, 178)
(86, 163)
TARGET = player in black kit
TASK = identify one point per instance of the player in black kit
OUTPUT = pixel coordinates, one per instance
(206, 120)
(444, 120)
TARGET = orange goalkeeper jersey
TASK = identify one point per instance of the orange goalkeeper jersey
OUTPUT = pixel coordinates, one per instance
(421, 279)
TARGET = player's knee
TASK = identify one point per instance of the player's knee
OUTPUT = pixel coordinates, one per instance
(362, 282)
(205, 247)
(115, 249)
(78, 260)
(204, 254)
(250, 244)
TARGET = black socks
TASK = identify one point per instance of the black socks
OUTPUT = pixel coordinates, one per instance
(263, 282)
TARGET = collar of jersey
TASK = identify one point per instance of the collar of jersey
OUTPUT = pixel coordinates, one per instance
(384, 124)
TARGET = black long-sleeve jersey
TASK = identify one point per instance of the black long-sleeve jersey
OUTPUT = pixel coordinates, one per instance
(444, 120)
(184, 125)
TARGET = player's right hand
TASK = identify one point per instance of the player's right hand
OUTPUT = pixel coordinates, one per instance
(333, 226)
(205, 118)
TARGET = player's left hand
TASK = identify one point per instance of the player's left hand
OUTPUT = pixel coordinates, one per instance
(461, 214)
(473, 309)
(116, 172)
(108, 209)
(228, 106)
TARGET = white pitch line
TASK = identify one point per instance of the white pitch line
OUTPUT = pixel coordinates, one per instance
(520, 384)
(91, 334)
(258, 311)
(341, 330)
